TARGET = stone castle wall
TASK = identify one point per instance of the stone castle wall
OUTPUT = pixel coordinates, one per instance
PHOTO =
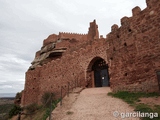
(131, 52)
(134, 50)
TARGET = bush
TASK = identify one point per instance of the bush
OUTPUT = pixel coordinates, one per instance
(14, 111)
(18, 95)
(49, 110)
(47, 113)
(47, 98)
(30, 109)
(4, 108)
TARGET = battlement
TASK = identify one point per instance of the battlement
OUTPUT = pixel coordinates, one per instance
(136, 10)
(151, 3)
(70, 33)
(77, 36)
(125, 21)
(64, 35)
(114, 27)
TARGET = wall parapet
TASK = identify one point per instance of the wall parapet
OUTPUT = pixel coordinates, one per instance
(136, 10)
(151, 3)
(70, 33)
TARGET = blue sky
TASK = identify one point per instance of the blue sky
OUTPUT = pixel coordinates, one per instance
(25, 24)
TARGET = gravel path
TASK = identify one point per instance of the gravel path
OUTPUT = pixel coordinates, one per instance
(92, 104)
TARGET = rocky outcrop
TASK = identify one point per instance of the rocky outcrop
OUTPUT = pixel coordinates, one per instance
(46, 55)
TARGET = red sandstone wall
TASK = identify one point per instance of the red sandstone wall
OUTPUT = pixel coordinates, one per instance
(51, 39)
(65, 35)
(31, 90)
(134, 50)
(59, 72)
(131, 51)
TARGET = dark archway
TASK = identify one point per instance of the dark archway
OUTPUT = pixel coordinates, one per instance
(98, 70)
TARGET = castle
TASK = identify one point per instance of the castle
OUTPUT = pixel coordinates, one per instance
(127, 59)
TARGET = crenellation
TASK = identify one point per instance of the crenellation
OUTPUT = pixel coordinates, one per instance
(70, 33)
(151, 3)
(136, 10)
(114, 28)
(70, 36)
(125, 21)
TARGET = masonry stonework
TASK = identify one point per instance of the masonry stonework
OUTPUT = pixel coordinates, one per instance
(131, 52)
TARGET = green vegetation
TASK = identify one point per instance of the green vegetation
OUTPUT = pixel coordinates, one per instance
(148, 109)
(36, 112)
(47, 98)
(32, 111)
(14, 111)
(4, 108)
(18, 95)
(48, 110)
(133, 99)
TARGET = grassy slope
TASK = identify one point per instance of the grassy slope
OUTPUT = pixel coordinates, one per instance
(133, 99)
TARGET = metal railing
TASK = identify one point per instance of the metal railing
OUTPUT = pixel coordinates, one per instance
(70, 86)
(64, 91)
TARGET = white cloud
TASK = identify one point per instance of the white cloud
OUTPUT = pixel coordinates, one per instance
(6, 86)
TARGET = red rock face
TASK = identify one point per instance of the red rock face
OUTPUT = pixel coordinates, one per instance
(131, 51)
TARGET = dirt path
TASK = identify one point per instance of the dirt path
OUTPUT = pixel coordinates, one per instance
(92, 104)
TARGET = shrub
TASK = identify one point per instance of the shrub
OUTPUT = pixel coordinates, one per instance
(14, 111)
(47, 113)
(47, 98)
(18, 95)
(4, 108)
(49, 110)
(30, 109)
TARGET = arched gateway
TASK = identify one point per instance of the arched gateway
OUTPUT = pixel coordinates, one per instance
(97, 73)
